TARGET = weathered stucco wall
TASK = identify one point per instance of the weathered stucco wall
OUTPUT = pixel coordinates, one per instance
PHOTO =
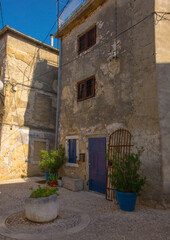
(126, 86)
(28, 123)
(162, 38)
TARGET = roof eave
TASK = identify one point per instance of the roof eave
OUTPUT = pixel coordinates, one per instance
(7, 29)
(86, 9)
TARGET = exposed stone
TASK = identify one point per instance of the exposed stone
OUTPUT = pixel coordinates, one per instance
(73, 184)
(29, 112)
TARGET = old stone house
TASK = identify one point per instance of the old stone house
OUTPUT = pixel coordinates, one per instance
(115, 74)
(29, 71)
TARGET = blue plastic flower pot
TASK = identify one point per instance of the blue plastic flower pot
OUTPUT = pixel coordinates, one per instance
(47, 176)
(127, 201)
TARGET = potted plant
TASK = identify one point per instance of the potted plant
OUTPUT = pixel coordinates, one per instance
(42, 205)
(52, 161)
(126, 179)
(53, 179)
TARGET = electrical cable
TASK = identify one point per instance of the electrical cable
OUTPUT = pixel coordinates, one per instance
(110, 39)
(64, 8)
(30, 63)
(49, 31)
(97, 45)
(1, 14)
(161, 17)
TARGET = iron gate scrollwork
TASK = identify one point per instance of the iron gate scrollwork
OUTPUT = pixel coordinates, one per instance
(119, 140)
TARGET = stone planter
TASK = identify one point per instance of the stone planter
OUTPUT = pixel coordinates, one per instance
(42, 209)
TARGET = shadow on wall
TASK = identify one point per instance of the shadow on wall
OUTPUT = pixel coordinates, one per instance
(40, 114)
(163, 73)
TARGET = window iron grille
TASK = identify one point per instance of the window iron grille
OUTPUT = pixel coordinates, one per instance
(87, 40)
(121, 140)
(86, 89)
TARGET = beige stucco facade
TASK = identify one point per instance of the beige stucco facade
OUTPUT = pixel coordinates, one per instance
(129, 89)
(29, 71)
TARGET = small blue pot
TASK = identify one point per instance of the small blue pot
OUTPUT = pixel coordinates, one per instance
(47, 176)
(127, 201)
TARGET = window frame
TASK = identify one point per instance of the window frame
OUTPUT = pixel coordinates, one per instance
(85, 81)
(86, 39)
(71, 137)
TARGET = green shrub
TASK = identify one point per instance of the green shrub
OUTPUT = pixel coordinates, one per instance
(43, 192)
(125, 176)
(52, 161)
(53, 177)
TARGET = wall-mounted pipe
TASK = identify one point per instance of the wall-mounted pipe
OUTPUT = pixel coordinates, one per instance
(58, 95)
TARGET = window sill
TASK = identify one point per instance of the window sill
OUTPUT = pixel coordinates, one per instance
(71, 164)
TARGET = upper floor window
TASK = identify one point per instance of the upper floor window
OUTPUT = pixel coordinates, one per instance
(87, 40)
(86, 89)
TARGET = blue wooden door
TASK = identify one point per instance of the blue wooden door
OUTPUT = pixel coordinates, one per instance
(72, 150)
(97, 164)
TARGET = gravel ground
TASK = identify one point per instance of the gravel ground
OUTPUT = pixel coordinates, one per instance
(83, 216)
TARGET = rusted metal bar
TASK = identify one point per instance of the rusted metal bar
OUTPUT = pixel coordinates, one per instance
(120, 139)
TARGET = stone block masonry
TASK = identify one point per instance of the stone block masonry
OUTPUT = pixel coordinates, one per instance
(73, 184)
(28, 117)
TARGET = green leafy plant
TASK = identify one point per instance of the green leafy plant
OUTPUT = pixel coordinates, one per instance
(53, 177)
(43, 192)
(125, 176)
(52, 161)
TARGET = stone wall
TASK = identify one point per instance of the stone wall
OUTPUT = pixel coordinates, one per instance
(126, 86)
(2, 64)
(28, 123)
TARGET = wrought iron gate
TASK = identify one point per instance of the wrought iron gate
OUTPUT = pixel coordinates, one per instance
(121, 140)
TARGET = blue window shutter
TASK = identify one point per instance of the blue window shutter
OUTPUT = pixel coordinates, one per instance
(72, 151)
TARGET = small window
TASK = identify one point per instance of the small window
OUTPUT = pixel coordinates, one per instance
(72, 150)
(86, 89)
(87, 40)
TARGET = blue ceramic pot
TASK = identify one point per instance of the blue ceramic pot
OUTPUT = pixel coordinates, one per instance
(127, 201)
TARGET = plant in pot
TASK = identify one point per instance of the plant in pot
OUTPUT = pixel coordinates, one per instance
(53, 179)
(42, 205)
(52, 161)
(126, 179)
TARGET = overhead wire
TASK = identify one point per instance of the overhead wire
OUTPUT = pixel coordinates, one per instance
(30, 63)
(107, 41)
(8, 77)
(96, 45)
(119, 34)
(161, 16)
(2, 19)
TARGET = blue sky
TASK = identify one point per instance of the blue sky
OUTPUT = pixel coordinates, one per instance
(32, 17)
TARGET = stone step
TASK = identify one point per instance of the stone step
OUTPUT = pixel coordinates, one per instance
(73, 184)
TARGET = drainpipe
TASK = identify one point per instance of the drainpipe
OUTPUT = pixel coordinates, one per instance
(58, 95)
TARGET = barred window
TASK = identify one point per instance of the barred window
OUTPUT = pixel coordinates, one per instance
(86, 89)
(87, 40)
